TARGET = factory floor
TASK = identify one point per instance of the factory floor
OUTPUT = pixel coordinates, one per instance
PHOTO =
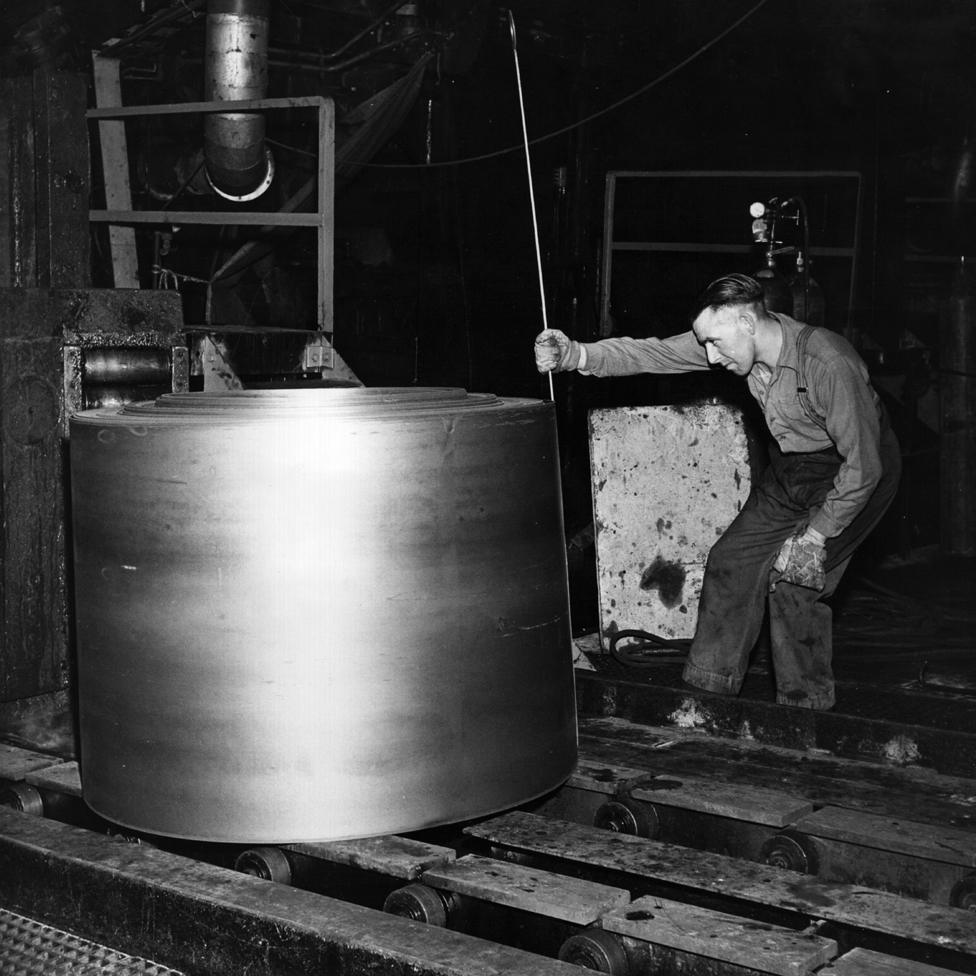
(891, 771)
(904, 662)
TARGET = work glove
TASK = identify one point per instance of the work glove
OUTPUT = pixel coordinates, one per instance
(801, 560)
(555, 352)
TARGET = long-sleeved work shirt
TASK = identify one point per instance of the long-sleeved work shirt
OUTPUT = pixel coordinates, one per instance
(846, 409)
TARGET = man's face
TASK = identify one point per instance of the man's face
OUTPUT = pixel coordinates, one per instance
(728, 337)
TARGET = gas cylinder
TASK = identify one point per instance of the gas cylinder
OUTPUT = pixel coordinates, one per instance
(808, 296)
(776, 290)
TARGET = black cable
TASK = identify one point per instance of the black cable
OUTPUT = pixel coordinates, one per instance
(651, 653)
(587, 119)
(169, 203)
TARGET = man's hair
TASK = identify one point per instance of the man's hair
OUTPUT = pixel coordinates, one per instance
(733, 289)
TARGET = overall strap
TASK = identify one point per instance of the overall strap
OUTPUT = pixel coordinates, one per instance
(801, 381)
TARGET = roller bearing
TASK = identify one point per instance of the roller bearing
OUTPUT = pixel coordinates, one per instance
(627, 817)
(963, 894)
(789, 851)
(418, 902)
(23, 797)
(267, 863)
(597, 950)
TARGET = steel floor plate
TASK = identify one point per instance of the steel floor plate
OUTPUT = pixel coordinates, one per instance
(31, 948)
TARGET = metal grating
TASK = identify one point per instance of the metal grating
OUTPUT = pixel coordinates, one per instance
(31, 948)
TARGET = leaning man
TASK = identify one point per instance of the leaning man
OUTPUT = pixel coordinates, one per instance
(833, 471)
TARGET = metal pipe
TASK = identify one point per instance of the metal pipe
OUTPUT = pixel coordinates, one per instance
(240, 166)
(129, 366)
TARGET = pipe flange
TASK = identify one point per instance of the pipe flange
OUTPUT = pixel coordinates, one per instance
(251, 194)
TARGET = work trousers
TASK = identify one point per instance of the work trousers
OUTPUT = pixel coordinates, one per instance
(736, 586)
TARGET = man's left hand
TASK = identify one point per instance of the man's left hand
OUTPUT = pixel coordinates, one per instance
(801, 560)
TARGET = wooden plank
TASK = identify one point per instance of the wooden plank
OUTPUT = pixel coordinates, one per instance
(115, 166)
(8, 135)
(33, 636)
(16, 763)
(913, 792)
(716, 935)
(22, 201)
(738, 801)
(734, 800)
(890, 738)
(61, 179)
(63, 778)
(867, 962)
(945, 844)
(325, 232)
(859, 907)
(396, 857)
(599, 777)
(516, 886)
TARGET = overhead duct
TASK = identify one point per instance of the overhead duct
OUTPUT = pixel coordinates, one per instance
(238, 163)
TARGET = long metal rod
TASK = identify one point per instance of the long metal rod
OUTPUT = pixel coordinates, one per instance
(528, 169)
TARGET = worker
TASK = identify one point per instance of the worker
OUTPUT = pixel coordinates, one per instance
(833, 471)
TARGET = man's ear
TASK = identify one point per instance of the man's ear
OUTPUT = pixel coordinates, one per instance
(748, 321)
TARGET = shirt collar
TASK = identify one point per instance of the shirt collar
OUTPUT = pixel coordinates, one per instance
(789, 355)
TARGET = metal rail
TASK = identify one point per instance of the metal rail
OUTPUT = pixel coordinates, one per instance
(322, 219)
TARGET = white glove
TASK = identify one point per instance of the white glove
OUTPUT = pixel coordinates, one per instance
(555, 352)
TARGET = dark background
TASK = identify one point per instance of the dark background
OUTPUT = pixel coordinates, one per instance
(435, 272)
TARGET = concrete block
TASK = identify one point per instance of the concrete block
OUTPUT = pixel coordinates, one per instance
(667, 481)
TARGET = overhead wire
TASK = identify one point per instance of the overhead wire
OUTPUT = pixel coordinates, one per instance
(579, 123)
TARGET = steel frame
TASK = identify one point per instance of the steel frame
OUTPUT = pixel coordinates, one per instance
(610, 244)
(323, 219)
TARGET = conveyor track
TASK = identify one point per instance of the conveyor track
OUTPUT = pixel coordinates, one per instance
(705, 892)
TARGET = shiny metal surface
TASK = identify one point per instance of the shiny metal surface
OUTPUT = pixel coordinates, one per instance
(127, 365)
(239, 164)
(319, 614)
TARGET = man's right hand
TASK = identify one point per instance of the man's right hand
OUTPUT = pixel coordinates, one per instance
(555, 352)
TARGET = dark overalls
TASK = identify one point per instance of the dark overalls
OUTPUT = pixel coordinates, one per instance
(737, 577)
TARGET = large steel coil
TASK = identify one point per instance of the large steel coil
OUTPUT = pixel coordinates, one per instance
(319, 614)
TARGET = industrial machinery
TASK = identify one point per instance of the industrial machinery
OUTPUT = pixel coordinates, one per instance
(107, 363)
(333, 612)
